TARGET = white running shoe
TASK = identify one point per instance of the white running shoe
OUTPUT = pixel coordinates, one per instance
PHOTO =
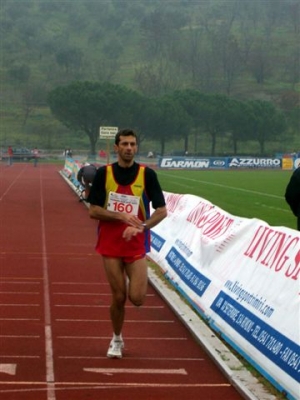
(115, 349)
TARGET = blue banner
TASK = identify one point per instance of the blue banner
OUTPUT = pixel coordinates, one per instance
(275, 346)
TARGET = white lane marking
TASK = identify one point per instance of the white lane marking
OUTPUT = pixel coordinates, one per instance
(82, 294)
(103, 306)
(16, 356)
(89, 294)
(4, 282)
(133, 358)
(64, 386)
(127, 339)
(19, 305)
(48, 329)
(134, 321)
(9, 369)
(20, 336)
(5, 292)
(19, 319)
(12, 184)
(179, 371)
(80, 283)
(273, 208)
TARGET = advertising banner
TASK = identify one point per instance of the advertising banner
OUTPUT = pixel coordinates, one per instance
(252, 162)
(183, 162)
(219, 162)
(242, 276)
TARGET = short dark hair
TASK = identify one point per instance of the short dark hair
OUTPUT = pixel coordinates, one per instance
(124, 132)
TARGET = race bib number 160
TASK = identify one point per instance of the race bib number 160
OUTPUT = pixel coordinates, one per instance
(123, 203)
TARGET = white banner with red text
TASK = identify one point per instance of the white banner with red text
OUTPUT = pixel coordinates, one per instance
(242, 276)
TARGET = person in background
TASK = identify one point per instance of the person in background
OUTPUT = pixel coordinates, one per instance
(120, 197)
(35, 153)
(150, 154)
(10, 153)
(292, 195)
(102, 154)
(85, 177)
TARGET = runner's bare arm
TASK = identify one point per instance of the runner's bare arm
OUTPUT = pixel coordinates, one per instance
(158, 215)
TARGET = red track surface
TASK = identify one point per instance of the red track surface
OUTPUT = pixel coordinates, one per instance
(54, 309)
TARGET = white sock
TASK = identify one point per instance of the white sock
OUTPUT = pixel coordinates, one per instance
(117, 338)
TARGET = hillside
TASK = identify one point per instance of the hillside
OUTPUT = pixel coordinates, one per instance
(246, 49)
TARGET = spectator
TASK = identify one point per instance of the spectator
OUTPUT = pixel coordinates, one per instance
(10, 153)
(102, 154)
(85, 177)
(35, 153)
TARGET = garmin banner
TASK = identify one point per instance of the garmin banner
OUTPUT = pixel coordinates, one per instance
(219, 162)
(241, 275)
(184, 162)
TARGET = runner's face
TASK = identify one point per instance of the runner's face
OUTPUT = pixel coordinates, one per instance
(126, 149)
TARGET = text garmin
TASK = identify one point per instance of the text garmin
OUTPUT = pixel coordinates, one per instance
(172, 163)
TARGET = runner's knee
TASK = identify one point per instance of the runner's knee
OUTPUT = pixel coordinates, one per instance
(137, 300)
(119, 299)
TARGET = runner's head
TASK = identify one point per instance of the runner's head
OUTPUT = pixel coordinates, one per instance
(126, 147)
(124, 132)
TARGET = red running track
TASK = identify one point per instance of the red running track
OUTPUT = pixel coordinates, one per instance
(54, 303)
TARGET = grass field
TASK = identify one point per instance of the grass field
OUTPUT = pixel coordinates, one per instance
(245, 193)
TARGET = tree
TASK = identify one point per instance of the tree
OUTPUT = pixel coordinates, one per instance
(85, 106)
(33, 97)
(209, 112)
(69, 58)
(266, 123)
(167, 120)
(19, 74)
(190, 100)
(237, 117)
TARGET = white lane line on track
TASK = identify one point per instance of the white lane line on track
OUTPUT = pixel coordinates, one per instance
(90, 294)
(81, 294)
(103, 306)
(17, 356)
(133, 358)
(80, 283)
(111, 371)
(134, 321)
(48, 329)
(19, 319)
(11, 185)
(19, 305)
(20, 336)
(127, 339)
(6, 292)
(4, 282)
(65, 386)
